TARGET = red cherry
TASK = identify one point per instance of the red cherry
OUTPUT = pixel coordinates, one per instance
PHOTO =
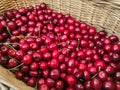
(31, 82)
(55, 74)
(82, 66)
(109, 85)
(70, 80)
(34, 66)
(55, 54)
(100, 64)
(54, 63)
(43, 65)
(27, 59)
(96, 83)
(12, 63)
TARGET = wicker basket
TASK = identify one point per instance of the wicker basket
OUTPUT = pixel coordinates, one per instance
(102, 15)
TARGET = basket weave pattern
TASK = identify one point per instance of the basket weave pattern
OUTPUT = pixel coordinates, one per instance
(100, 16)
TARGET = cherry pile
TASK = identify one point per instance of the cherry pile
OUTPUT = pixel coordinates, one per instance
(51, 51)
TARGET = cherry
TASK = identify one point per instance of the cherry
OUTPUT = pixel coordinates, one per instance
(4, 60)
(55, 54)
(27, 59)
(52, 47)
(50, 82)
(31, 24)
(34, 66)
(12, 63)
(92, 70)
(113, 38)
(79, 86)
(87, 85)
(70, 88)
(63, 67)
(78, 74)
(117, 85)
(116, 48)
(96, 83)
(106, 58)
(30, 8)
(31, 17)
(33, 46)
(110, 70)
(102, 33)
(31, 82)
(24, 47)
(43, 6)
(115, 57)
(84, 43)
(50, 27)
(86, 75)
(63, 38)
(102, 75)
(19, 54)
(37, 56)
(22, 10)
(69, 70)
(82, 66)
(47, 56)
(11, 52)
(71, 63)
(41, 81)
(100, 64)
(54, 63)
(43, 87)
(4, 49)
(43, 65)
(117, 76)
(106, 41)
(83, 26)
(9, 14)
(25, 79)
(59, 84)
(24, 69)
(70, 80)
(92, 31)
(19, 75)
(81, 54)
(33, 73)
(109, 85)
(55, 74)
(45, 73)
(24, 19)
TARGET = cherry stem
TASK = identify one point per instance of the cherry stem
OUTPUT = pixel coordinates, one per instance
(25, 36)
(39, 31)
(16, 67)
(94, 76)
(81, 80)
(7, 44)
(28, 35)
(78, 44)
(20, 37)
(8, 31)
(36, 86)
(99, 68)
